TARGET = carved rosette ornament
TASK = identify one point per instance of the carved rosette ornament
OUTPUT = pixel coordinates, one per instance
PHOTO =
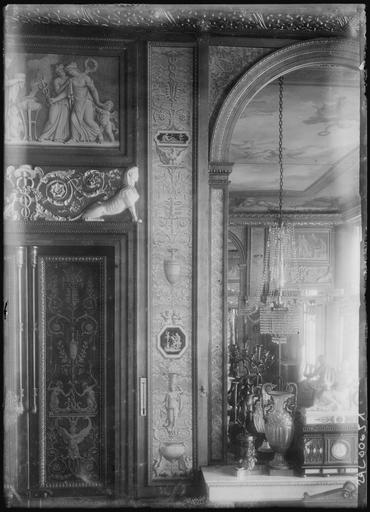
(171, 202)
(33, 195)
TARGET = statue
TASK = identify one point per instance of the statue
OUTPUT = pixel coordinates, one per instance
(125, 198)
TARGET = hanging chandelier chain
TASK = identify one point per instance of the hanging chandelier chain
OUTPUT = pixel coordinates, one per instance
(281, 81)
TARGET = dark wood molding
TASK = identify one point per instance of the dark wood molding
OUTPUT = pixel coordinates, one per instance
(201, 391)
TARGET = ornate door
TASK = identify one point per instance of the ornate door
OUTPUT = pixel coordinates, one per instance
(72, 388)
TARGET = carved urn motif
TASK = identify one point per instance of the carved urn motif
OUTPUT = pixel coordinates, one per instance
(279, 407)
(172, 267)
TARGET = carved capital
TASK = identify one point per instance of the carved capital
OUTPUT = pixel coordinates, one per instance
(219, 173)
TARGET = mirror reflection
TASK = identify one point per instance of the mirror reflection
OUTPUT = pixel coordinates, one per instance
(294, 272)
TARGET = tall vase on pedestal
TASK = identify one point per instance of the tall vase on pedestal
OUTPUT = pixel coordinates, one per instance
(279, 408)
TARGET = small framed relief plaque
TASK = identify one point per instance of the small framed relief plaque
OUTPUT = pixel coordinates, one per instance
(172, 341)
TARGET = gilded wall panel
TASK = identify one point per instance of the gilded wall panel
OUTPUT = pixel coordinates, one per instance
(217, 321)
(170, 227)
(226, 65)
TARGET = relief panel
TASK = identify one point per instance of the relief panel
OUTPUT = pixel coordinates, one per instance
(170, 228)
(53, 99)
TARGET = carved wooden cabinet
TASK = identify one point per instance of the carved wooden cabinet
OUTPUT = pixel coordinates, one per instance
(66, 332)
(329, 448)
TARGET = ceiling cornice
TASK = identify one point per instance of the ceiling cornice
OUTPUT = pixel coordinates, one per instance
(242, 19)
(346, 165)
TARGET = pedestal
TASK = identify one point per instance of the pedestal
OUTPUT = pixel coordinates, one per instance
(223, 488)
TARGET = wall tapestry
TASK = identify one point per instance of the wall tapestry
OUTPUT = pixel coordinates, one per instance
(53, 99)
(170, 435)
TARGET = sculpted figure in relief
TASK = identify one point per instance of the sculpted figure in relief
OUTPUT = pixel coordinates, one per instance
(125, 198)
(172, 403)
(57, 126)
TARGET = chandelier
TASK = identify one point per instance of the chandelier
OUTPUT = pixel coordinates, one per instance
(279, 312)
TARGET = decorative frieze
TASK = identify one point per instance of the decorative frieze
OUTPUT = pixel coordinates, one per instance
(241, 19)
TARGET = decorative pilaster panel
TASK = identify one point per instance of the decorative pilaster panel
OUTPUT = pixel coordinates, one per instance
(217, 323)
(73, 354)
(170, 430)
(219, 180)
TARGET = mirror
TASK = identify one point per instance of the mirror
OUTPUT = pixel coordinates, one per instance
(320, 155)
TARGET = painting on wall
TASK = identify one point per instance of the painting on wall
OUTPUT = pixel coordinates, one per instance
(61, 99)
(313, 245)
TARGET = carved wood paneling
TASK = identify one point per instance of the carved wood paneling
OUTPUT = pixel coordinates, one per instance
(75, 390)
(170, 435)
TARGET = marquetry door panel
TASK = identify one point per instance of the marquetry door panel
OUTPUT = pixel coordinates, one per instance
(72, 370)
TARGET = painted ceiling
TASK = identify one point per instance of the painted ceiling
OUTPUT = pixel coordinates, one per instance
(321, 120)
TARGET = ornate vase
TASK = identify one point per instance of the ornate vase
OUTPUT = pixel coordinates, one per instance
(278, 408)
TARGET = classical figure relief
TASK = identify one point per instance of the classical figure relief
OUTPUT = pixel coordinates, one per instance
(124, 199)
(172, 341)
(57, 126)
(172, 403)
(16, 128)
(56, 393)
(63, 105)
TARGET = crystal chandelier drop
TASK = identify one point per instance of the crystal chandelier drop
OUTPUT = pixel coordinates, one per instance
(279, 312)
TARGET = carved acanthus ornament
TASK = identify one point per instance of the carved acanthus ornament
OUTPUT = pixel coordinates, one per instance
(227, 64)
(66, 195)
